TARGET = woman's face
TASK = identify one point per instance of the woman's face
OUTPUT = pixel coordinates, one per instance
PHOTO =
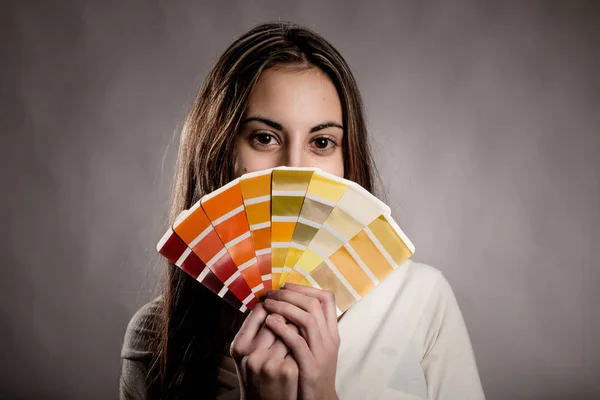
(293, 118)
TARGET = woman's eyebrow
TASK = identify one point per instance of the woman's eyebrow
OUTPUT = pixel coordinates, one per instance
(266, 121)
(279, 127)
(327, 124)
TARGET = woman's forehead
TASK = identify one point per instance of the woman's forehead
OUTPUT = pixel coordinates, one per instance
(292, 96)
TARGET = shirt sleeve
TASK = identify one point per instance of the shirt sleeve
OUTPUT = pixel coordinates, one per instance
(448, 362)
(136, 354)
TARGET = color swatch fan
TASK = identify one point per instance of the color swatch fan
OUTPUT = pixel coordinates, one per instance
(298, 225)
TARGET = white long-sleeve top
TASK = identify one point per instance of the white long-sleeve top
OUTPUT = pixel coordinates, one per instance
(407, 339)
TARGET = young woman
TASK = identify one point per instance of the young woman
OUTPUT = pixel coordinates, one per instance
(282, 95)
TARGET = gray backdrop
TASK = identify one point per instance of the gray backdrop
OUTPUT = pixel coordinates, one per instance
(485, 119)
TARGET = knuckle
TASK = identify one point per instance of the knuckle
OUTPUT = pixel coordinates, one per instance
(314, 304)
(330, 296)
(311, 321)
(270, 370)
(237, 350)
(293, 328)
(256, 361)
(235, 353)
(259, 311)
(253, 365)
(289, 371)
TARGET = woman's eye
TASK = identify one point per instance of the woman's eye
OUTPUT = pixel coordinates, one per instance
(264, 139)
(323, 143)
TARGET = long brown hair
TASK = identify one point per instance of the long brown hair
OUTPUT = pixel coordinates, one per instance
(196, 325)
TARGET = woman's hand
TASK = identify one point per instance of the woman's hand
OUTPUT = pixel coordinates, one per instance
(264, 367)
(316, 346)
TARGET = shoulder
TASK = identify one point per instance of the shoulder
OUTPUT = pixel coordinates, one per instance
(421, 272)
(433, 286)
(142, 331)
(425, 280)
(421, 292)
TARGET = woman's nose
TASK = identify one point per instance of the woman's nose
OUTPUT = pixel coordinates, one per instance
(295, 156)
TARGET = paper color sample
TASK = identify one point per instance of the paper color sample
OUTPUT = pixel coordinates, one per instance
(356, 209)
(256, 193)
(287, 195)
(225, 209)
(323, 193)
(364, 261)
(298, 225)
(195, 229)
(177, 251)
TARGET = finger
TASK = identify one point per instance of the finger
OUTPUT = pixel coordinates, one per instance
(279, 349)
(290, 373)
(265, 337)
(309, 304)
(241, 344)
(295, 342)
(325, 297)
(281, 376)
(307, 322)
(255, 361)
(253, 365)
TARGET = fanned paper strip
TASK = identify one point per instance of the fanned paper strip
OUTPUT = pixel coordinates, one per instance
(364, 261)
(323, 193)
(356, 209)
(287, 195)
(177, 251)
(195, 229)
(335, 234)
(225, 209)
(256, 193)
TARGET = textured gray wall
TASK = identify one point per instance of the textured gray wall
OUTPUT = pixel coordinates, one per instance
(486, 121)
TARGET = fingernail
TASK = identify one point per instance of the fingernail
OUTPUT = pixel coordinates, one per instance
(278, 318)
(271, 320)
